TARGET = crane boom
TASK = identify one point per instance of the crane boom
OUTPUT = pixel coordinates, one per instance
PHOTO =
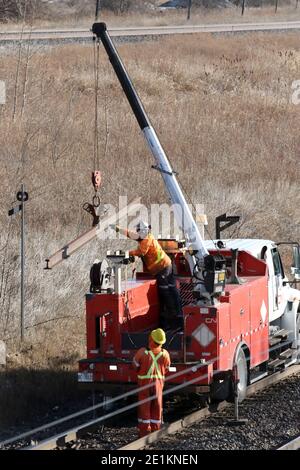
(183, 214)
(208, 271)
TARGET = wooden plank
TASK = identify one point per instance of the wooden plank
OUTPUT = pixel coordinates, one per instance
(67, 250)
(70, 248)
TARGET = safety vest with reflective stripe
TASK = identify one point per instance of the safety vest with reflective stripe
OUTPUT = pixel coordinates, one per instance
(152, 254)
(154, 370)
(160, 257)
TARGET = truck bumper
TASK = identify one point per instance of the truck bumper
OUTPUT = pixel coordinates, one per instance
(108, 374)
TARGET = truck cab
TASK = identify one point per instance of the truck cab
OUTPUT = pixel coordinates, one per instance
(283, 299)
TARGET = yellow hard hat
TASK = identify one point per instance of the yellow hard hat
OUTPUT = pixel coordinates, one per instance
(158, 336)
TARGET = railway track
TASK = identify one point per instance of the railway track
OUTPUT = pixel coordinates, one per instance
(220, 422)
(94, 435)
(294, 444)
(61, 35)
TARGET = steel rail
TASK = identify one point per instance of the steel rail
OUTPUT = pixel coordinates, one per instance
(77, 414)
(67, 436)
(294, 444)
(65, 34)
(77, 432)
(200, 415)
(193, 368)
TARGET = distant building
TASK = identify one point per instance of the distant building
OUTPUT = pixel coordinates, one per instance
(173, 4)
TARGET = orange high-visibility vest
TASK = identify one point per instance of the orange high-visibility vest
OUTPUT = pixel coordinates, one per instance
(151, 366)
(152, 254)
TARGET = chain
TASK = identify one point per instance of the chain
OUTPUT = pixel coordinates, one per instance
(96, 76)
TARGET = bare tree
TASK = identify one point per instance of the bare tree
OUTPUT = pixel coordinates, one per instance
(117, 6)
(17, 9)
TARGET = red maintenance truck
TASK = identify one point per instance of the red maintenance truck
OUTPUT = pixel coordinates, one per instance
(241, 313)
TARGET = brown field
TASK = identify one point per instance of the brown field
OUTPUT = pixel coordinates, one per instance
(80, 18)
(222, 108)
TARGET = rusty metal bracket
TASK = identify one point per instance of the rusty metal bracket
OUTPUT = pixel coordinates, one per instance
(157, 168)
(227, 220)
(90, 209)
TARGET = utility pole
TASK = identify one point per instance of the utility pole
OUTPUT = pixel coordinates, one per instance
(98, 5)
(276, 5)
(22, 197)
(189, 9)
(243, 7)
(22, 262)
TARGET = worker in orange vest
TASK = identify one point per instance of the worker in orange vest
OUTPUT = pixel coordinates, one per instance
(152, 365)
(157, 263)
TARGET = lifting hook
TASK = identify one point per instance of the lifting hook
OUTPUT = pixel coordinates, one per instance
(91, 210)
(96, 179)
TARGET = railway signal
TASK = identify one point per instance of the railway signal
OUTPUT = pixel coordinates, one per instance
(22, 197)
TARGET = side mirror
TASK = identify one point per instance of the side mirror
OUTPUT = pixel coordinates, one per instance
(296, 261)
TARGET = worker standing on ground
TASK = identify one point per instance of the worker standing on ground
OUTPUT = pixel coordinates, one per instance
(157, 263)
(152, 365)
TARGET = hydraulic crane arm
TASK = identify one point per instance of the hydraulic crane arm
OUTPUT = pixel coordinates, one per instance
(183, 214)
(208, 271)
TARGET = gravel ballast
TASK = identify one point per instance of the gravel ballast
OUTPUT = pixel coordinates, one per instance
(273, 419)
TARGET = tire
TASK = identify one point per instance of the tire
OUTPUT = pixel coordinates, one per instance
(298, 336)
(242, 375)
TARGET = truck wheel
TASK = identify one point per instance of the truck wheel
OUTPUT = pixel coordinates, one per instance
(298, 336)
(242, 375)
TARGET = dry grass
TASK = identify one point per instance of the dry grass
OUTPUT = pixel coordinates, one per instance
(222, 108)
(286, 12)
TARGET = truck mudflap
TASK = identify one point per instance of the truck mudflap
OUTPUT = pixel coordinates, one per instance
(108, 371)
